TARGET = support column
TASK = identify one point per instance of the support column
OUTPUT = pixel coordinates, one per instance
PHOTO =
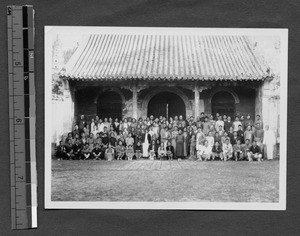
(197, 100)
(134, 101)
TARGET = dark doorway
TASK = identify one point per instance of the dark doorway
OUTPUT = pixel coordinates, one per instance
(223, 103)
(109, 104)
(166, 104)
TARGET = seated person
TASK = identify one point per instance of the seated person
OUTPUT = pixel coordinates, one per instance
(109, 152)
(96, 152)
(61, 151)
(217, 151)
(77, 150)
(227, 150)
(120, 150)
(152, 150)
(69, 150)
(86, 154)
(254, 152)
(138, 150)
(238, 150)
(246, 147)
(205, 152)
(161, 152)
(129, 152)
(169, 151)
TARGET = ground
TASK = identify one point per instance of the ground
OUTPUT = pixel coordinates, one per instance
(184, 180)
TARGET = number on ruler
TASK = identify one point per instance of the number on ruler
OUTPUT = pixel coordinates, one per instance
(26, 77)
(18, 120)
(8, 11)
(21, 177)
(31, 55)
(17, 63)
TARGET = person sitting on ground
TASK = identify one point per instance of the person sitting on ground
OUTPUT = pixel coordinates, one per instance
(217, 151)
(69, 150)
(254, 152)
(227, 150)
(170, 151)
(86, 154)
(151, 150)
(77, 149)
(246, 148)
(96, 152)
(129, 152)
(205, 152)
(138, 150)
(61, 151)
(109, 152)
(120, 150)
(238, 150)
(161, 152)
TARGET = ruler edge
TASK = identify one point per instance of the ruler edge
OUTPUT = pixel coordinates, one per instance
(32, 102)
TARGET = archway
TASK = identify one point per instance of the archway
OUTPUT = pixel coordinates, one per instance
(166, 104)
(223, 103)
(109, 104)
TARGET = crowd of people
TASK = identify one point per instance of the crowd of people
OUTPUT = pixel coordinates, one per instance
(202, 138)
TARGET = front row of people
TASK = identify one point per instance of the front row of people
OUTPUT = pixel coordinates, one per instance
(158, 150)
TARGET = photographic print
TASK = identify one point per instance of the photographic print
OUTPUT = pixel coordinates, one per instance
(165, 118)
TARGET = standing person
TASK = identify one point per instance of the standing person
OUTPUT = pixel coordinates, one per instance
(206, 125)
(81, 123)
(217, 151)
(242, 120)
(259, 122)
(227, 124)
(227, 150)
(248, 122)
(192, 146)
(170, 151)
(179, 145)
(269, 142)
(219, 123)
(236, 124)
(259, 135)
(254, 152)
(174, 135)
(240, 134)
(146, 137)
(185, 142)
(248, 134)
(212, 121)
(210, 139)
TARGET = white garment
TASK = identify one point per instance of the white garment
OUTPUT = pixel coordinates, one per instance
(269, 142)
(210, 141)
(145, 146)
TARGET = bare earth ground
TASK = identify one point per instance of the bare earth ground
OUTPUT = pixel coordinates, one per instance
(184, 180)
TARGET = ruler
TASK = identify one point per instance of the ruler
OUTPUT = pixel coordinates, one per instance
(20, 32)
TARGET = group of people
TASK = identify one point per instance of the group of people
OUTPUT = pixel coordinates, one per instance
(201, 138)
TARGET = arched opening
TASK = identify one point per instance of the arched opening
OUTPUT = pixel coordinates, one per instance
(109, 104)
(166, 104)
(223, 103)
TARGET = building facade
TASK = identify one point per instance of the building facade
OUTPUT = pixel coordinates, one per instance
(138, 75)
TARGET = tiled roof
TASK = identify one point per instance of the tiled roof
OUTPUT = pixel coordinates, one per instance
(165, 57)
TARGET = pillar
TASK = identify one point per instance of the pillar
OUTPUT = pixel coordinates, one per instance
(197, 100)
(134, 101)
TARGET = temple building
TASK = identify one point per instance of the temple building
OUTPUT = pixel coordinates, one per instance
(137, 75)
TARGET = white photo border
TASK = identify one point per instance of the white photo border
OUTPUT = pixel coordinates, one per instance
(280, 205)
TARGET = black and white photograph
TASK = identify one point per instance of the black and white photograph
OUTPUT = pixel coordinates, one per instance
(165, 118)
